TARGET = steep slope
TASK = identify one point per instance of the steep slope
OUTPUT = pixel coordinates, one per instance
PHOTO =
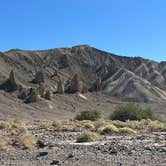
(127, 86)
(133, 79)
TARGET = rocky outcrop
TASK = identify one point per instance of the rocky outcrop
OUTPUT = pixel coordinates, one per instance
(60, 87)
(90, 64)
(41, 90)
(47, 95)
(75, 85)
(129, 87)
(32, 96)
(10, 84)
(39, 78)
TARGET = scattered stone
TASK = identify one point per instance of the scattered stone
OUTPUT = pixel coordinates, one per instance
(42, 154)
(41, 144)
(71, 155)
(54, 162)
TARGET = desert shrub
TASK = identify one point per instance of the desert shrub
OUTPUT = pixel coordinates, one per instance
(156, 126)
(89, 126)
(4, 125)
(127, 130)
(88, 115)
(133, 111)
(56, 124)
(100, 123)
(88, 137)
(10, 124)
(15, 123)
(109, 129)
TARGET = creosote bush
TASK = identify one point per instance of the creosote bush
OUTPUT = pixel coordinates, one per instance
(133, 111)
(88, 115)
(88, 137)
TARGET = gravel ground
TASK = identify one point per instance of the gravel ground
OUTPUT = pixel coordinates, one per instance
(145, 149)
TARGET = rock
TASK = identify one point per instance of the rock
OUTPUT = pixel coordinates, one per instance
(32, 96)
(41, 90)
(97, 85)
(60, 87)
(47, 95)
(71, 155)
(75, 84)
(41, 144)
(22, 93)
(42, 154)
(39, 78)
(10, 85)
(54, 162)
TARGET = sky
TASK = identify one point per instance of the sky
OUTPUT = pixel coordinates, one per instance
(123, 27)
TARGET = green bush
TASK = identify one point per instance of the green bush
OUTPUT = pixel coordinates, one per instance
(88, 137)
(89, 115)
(133, 111)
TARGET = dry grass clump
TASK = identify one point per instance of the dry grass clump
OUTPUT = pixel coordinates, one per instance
(87, 124)
(156, 126)
(11, 124)
(25, 140)
(108, 129)
(100, 123)
(4, 125)
(57, 124)
(88, 137)
(127, 130)
(6, 144)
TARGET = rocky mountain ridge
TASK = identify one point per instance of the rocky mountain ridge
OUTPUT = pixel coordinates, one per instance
(129, 79)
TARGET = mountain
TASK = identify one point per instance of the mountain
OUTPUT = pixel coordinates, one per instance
(124, 78)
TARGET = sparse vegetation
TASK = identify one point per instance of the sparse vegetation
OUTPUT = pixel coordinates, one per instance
(89, 126)
(88, 137)
(133, 111)
(100, 123)
(10, 124)
(127, 130)
(109, 129)
(88, 115)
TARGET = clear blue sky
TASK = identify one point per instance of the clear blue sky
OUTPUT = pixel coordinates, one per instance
(125, 27)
